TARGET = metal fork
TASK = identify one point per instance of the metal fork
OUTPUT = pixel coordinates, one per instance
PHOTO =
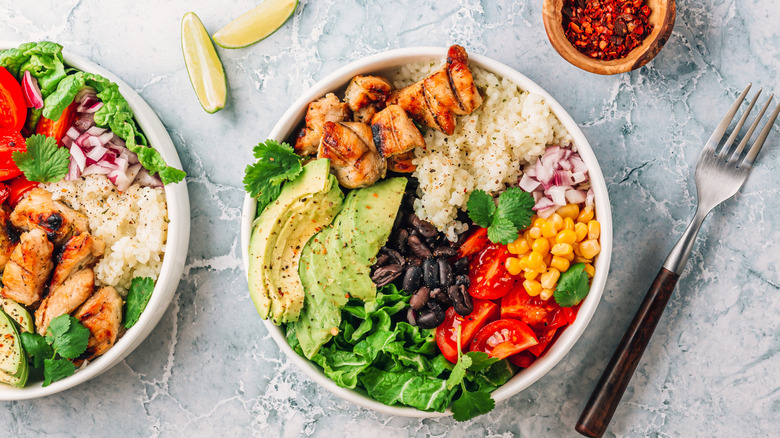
(720, 172)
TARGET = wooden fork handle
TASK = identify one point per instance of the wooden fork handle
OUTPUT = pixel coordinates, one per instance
(605, 398)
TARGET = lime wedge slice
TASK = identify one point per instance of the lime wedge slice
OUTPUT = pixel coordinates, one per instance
(255, 24)
(203, 65)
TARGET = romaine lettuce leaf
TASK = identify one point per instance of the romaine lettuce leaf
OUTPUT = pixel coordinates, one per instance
(43, 60)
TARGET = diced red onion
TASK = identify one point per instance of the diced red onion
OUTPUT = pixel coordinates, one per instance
(78, 157)
(94, 108)
(544, 214)
(575, 196)
(579, 177)
(73, 171)
(96, 169)
(528, 183)
(557, 194)
(32, 93)
(84, 121)
(105, 137)
(67, 141)
(543, 203)
(97, 152)
(590, 197)
(147, 180)
(73, 133)
(96, 131)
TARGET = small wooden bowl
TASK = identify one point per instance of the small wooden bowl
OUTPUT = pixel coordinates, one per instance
(662, 17)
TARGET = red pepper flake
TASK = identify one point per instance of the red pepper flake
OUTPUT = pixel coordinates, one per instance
(606, 29)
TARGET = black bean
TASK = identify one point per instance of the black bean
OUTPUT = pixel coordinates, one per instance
(444, 251)
(382, 259)
(384, 275)
(462, 265)
(411, 316)
(399, 239)
(425, 228)
(440, 295)
(395, 255)
(463, 279)
(413, 278)
(431, 273)
(445, 273)
(413, 261)
(461, 300)
(432, 317)
(418, 248)
(420, 298)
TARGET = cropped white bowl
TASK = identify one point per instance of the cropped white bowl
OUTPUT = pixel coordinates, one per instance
(175, 254)
(386, 61)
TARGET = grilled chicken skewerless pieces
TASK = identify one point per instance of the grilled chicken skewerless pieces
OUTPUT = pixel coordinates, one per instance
(28, 268)
(353, 156)
(326, 109)
(366, 95)
(101, 314)
(58, 221)
(64, 298)
(394, 132)
(402, 163)
(8, 239)
(79, 252)
(462, 81)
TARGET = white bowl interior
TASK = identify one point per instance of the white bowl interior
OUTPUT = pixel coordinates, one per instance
(390, 60)
(175, 254)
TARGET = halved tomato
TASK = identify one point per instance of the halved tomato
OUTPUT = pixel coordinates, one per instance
(545, 337)
(503, 338)
(539, 314)
(489, 278)
(523, 359)
(4, 192)
(58, 128)
(10, 141)
(447, 333)
(18, 188)
(13, 110)
(474, 243)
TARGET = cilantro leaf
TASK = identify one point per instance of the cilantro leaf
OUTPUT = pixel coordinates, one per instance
(276, 163)
(43, 161)
(572, 286)
(67, 336)
(516, 205)
(459, 372)
(479, 360)
(472, 404)
(502, 230)
(481, 208)
(36, 347)
(57, 369)
(137, 298)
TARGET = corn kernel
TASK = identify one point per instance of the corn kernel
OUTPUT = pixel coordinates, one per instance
(541, 245)
(590, 270)
(548, 229)
(590, 248)
(557, 221)
(535, 232)
(546, 294)
(531, 274)
(568, 223)
(550, 278)
(524, 262)
(538, 222)
(585, 215)
(566, 236)
(581, 230)
(594, 229)
(561, 249)
(532, 287)
(577, 251)
(570, 211)
(548, 259)
(513, 266)
(534, 260)
(569, 257)
(580, 259)
(519, 246)
(559, 263)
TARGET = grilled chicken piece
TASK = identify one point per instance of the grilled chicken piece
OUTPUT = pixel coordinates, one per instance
(28, 268)
(9, 238)
(394, 132)
(81, 251)
(101, 314)
(326, 109)
(64, 298)
(412, 99)
(439, 86)
(461, 79)
(402, 163)
(58, 221)
(353, 156)
(366, 95)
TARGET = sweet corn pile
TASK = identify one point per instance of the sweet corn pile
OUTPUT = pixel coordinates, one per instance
(546, 250)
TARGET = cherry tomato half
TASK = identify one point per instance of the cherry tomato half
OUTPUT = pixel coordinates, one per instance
(13, 110)
(4, 192)
(489, 278)
(19, 187)
(10, 141)
(503, 338)
(447, 333)
(474, 243)
(58, 128)
(545, 337)
(523, 359)
(537, 313)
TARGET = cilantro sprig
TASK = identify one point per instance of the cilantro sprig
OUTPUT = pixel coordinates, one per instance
(504, 221)
(572, 286)
(43, 161)
(65, 339)
(138, 296)
(276, 163)
(470, 404)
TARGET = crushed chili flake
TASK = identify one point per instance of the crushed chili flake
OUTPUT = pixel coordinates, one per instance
(606, 29)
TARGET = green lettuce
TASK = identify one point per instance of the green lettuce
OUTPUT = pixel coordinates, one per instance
(43, 60)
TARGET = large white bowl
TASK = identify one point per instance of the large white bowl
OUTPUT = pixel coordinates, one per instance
(175, 253)
(390, 60)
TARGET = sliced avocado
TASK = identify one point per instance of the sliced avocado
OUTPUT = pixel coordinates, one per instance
(18, 314)
(13, 360)
(304, 206)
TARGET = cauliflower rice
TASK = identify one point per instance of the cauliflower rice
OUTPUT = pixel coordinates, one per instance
(487, 150)
(133, 224)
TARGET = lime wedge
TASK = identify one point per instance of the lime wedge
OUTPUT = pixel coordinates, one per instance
(255, 24)
(203, 65)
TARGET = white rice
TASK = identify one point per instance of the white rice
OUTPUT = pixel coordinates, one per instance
(487, 150)
(133, 224)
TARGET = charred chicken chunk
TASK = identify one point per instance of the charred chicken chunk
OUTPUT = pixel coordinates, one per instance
(9, 238)
(325, 109)
(394, 132)
(412, 100)
(461, 79)
(79, 252)
(28, 268)
(64, 298)
(402, 163)
(366, 95)
(353, 156)
(58, 221)
(101, 314)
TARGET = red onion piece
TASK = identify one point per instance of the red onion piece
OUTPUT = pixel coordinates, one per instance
(575, 196)
(543, 203)
(528, 183)
(73, 171)
(94, 108)
(97, 152)
(32, 93)
(78, 157)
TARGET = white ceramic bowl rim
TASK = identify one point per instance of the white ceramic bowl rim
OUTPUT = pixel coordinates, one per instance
(176, 247)
(393, 59)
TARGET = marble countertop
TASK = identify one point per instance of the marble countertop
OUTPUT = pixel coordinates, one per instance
(210, 368)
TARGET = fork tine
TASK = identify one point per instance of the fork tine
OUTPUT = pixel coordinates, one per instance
(724, 151)
(750, 131)
(756, 148)
(709, 147)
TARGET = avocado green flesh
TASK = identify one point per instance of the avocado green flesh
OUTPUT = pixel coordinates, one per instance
(18, 314)
(304, 206)
(336, 263)
(13, 360)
